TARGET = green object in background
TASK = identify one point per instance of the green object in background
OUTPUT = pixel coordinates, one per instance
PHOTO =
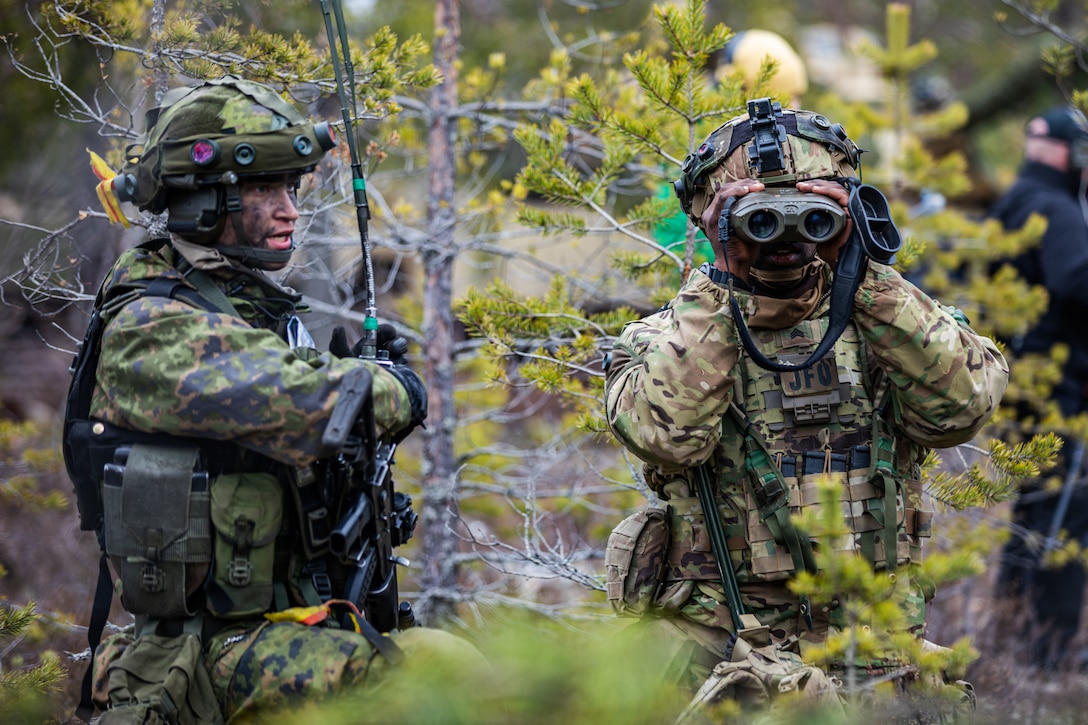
(672, 233)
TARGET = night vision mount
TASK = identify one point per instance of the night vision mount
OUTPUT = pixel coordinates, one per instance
(768, 136)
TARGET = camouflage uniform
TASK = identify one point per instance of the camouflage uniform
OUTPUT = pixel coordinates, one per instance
(242, 383)
(674, 376)
(246, 384)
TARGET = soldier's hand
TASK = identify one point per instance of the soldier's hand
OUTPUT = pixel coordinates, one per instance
(388, 339)
(829, 251)
(392, 342)
(338, 344)
(729, 190)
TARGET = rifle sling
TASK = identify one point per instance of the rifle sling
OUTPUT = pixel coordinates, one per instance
(704, 487)
(769, 490)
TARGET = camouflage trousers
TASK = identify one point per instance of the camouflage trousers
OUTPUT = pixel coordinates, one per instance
(256, 667)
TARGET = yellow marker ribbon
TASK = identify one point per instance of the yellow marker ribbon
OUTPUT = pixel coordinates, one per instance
(107, 194)
(303, 615)
(317, 614)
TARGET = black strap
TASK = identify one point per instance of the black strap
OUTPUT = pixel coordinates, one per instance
(873, 236)
(210, 292)
(385, 645)
(848, 273)
(175, 289)
(722, 278)
(100, 612)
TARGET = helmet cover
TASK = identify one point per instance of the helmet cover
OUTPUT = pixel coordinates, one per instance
(811, 148)
(201, 135)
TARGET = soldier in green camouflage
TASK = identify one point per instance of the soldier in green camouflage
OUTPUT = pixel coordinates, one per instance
(201, 344)
(683, 389)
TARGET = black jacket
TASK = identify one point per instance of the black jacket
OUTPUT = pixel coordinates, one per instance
(1060, 264)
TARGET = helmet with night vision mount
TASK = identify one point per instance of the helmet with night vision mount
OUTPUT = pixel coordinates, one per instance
(203, 142)
(774, 145)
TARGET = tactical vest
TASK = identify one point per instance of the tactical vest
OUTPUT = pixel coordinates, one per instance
(191, 525)
(785, 433)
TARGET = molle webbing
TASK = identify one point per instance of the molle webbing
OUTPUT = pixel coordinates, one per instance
(779, 486)
(773, 486)
(771, 495)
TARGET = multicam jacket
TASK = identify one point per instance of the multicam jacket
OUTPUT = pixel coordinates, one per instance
(675, 375)
(167, 367)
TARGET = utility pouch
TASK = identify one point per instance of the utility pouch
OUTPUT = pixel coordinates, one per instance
(157, 533)
(247, 512)
(635, 560)
(161, 680)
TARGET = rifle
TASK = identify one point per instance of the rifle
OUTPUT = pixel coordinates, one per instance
(374, 517)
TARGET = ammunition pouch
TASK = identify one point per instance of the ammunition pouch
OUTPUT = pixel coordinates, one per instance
(160, 680)
(635, 560)
(247, 514)
(156, 530)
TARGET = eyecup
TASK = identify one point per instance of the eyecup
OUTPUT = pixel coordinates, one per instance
(880, 239)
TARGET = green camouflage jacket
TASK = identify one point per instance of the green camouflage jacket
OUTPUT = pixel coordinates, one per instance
(168, 367)
(672, 374)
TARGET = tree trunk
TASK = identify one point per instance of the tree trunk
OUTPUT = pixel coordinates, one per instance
(439, 466)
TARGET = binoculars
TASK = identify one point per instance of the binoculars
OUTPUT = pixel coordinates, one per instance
(786, 215)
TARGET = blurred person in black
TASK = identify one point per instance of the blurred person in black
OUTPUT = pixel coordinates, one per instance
(1052, 182)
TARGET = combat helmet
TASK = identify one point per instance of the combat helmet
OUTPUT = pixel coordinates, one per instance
(775, 145)
(203, 142)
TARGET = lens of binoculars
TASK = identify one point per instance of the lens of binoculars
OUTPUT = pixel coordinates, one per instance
(786, 215)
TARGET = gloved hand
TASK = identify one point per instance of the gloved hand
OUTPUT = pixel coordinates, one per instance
(388, 340)
(397, 347)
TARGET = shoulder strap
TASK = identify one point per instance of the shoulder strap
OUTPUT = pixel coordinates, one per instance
(747, 627)
(210, 292)
(704, 487)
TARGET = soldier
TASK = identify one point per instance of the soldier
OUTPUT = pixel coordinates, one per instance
(200, 347)
(1052, 183)
(694, 387)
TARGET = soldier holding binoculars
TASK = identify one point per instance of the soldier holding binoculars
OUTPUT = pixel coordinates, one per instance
(799, 355)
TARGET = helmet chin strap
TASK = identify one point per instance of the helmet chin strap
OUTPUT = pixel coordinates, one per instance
(245, 251)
